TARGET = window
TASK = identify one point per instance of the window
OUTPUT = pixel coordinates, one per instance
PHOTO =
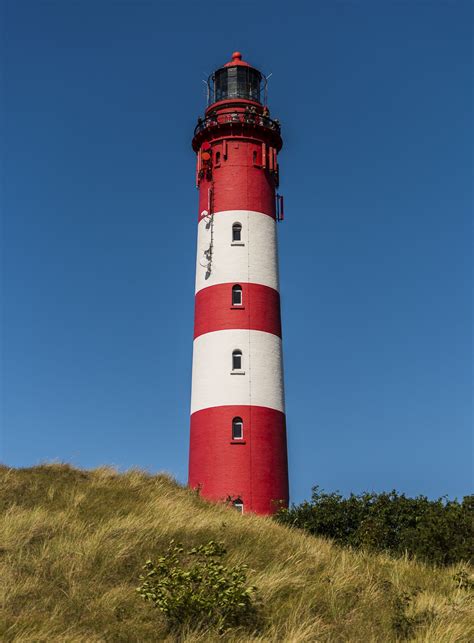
(237, 82)
(218, 158)
(237, 232)
(236, 295)
(237, 429)
(237, 360)
(239, 505)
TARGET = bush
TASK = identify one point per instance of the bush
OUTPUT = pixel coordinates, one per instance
(194, 587)
(436, 531)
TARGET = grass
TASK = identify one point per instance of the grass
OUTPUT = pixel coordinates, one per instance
(73, 542)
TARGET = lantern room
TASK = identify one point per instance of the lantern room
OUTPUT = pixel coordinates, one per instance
(236, 80)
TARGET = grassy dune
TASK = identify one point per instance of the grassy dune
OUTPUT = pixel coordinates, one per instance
(72, 544)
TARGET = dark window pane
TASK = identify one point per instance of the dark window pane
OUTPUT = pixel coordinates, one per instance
(237, 82)
(232, 82)
(237, 429)
(236, 361)
(239, 505)
(236, 232)
(236, 296)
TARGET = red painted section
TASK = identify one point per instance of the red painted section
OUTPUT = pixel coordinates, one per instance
(237, 183)
(237, 60)
(254, 469)
(234, 102)
(260, 309)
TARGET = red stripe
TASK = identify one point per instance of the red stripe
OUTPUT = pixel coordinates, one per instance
(237, 183)
(260, 309)
(253, 469)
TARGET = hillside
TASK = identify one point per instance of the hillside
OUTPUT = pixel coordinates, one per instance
(73, 543)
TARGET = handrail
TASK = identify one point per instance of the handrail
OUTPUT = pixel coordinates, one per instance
(246, 118)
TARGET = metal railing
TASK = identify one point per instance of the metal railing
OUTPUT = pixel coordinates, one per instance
(246, 118)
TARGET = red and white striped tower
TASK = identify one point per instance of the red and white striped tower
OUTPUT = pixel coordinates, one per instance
(238, 435)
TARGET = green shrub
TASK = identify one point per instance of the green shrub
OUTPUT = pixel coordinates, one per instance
(436, 531)
(194, 587)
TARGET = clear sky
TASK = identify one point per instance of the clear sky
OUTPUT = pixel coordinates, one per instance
(98, 104)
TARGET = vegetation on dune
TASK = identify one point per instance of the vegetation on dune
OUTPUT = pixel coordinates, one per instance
(194, 586)
(436, 531)
(73, 545)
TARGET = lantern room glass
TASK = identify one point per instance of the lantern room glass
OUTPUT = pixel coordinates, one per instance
(237, 82)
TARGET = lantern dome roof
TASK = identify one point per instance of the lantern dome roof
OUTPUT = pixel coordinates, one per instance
(237, 61)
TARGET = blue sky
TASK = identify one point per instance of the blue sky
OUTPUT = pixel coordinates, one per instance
(99, 101)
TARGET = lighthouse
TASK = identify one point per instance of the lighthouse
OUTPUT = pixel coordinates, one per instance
(238, 448)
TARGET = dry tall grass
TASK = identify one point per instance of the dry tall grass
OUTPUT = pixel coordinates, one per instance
(73, 542)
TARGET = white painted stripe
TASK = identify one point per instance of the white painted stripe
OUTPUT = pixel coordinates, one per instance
(256, 261)
(213, 381)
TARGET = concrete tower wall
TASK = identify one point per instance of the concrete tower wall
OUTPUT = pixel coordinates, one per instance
(252, 260)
